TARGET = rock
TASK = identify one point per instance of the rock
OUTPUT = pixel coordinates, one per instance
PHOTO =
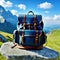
(20, 54)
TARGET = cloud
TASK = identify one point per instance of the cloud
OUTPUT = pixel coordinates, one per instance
(45, 5)
(14, 12)
(6, 3)
(46, 12)
(2, 20)
(51, 20)
(22, 6)
(56, 17)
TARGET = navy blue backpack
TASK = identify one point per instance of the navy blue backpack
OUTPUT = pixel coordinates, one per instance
(30, 31)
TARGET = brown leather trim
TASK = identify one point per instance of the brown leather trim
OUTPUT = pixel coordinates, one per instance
(36, 39)
(23, 40)
(30, 47)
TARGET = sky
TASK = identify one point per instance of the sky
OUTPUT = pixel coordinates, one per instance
(49, 9)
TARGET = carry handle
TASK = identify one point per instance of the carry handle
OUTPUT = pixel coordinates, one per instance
(30, 12)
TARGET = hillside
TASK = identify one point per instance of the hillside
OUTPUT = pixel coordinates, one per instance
(8, 21)
(7, 35)
(7, 27)
(8, 16)
(53, 40)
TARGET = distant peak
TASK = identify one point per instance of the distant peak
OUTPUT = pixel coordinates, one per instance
(2, 8)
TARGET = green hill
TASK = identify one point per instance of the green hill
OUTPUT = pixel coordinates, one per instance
(8, 36)
(53, 40)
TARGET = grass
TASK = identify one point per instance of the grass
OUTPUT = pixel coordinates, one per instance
(53, 40)
(2, 57)
(1, 43)
(8, 36)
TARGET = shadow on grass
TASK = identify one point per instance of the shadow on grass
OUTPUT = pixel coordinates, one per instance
(9, 38)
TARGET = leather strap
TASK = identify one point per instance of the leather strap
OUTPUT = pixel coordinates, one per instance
(24, 24)
(36, 39)
(29, 27)
(35, 28)
(35, 23)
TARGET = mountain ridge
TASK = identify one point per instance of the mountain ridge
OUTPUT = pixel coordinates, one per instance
(10, 21)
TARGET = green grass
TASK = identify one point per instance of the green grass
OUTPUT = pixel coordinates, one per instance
(8, 36)
(1, 43)
(2, 57)
(53, 40)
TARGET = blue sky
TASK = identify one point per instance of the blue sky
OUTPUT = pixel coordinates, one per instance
(34, 5)
(49, 9)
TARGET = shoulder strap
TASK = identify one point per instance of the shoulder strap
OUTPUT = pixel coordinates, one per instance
(35, 23)
(36, 39)
(24, 24)
(35, 28)
(29, 26)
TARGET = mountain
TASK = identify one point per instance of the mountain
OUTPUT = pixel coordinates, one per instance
(9, 20)
(1, 9)
(8, 16)
(7, 27)
(51, 27)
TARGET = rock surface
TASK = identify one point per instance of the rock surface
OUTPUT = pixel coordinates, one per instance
(19, 54)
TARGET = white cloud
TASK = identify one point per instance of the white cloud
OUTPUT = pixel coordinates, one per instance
(45, 5)
(56, 17)
(6, 3)
(47, 18)
(22, 6)
(2, 20)
(14, 12)
(46, 12)
(51, 20)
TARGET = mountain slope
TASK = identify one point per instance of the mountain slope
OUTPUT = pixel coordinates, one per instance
(7, 27)
(9, 17)
(10, 22)
(7, 35)
(53, 40)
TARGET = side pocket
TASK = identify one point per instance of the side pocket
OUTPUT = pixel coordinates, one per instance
(43, 38)
(16, 36)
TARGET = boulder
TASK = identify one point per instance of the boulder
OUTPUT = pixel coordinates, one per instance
(20, 54)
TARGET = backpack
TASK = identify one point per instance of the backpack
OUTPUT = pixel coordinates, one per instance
(30, 33)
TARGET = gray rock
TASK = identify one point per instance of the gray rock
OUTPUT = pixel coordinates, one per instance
(20, 54)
